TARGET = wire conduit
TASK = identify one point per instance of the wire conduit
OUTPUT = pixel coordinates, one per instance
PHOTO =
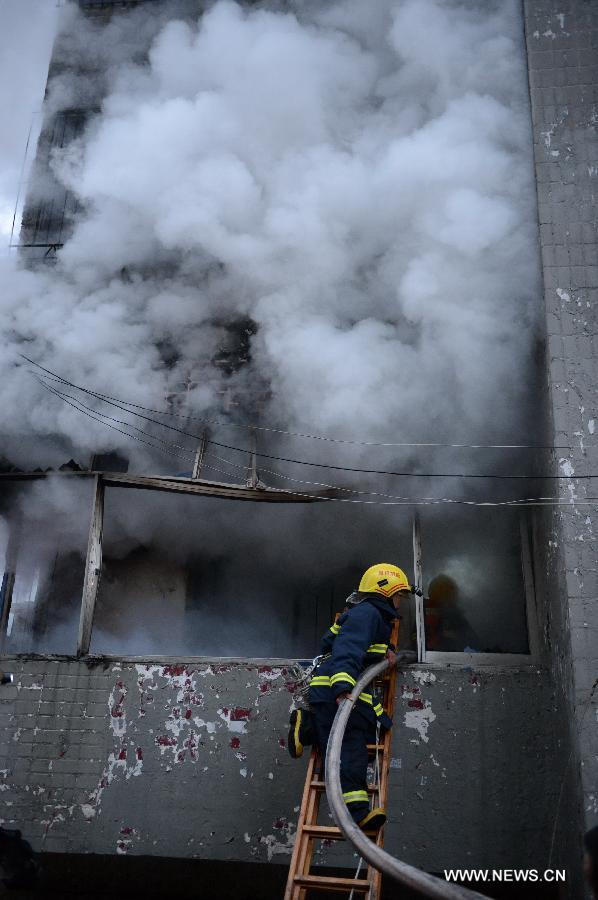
(409, 876)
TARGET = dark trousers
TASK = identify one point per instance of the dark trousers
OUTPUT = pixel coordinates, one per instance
(354, 753)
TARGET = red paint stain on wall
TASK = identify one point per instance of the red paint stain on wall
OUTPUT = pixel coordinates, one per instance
(415, 704)
(409, 689)
(191, 745)
(235, 743)
(174, 670)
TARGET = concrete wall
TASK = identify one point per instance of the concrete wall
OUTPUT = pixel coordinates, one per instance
(189, 760)
(562, 41)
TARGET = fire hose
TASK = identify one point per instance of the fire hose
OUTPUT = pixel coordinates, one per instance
(409, 876)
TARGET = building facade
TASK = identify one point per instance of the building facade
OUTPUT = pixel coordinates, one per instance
(182, 755)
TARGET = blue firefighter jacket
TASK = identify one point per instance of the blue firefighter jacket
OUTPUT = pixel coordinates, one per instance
(358, 639)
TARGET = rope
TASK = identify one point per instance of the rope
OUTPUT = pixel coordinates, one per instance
(356, 876)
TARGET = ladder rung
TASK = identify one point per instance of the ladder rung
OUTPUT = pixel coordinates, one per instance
(324, 831)
(321, 786)
(375, 746)
(329, 832)
(330, 883)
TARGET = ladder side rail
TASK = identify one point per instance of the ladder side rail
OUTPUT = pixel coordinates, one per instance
(390, 684)
(389, 703)
(311, 818)
(300, 837)
(423, 883)
(391, 687)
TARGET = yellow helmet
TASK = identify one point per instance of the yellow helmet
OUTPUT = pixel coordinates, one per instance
(443, 589)
(385, 579)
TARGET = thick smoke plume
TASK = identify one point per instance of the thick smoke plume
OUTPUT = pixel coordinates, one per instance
(354, 179)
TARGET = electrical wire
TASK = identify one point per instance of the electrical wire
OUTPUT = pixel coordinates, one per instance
(86, 411)
(331, 466)
(82, 407)
(389, 499)
(525, 501)
(297, 434)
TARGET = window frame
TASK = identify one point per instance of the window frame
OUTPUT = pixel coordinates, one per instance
(429, 658)
(450, 658)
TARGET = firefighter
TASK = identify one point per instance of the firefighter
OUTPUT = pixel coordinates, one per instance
(359, 638)
(446, 626)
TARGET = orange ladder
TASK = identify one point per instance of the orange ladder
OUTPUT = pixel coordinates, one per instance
(301, 879)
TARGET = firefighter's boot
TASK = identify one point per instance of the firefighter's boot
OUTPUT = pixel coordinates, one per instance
(374, 820)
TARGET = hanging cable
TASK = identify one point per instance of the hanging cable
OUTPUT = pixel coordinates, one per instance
(321, 484)
(523, 501)
(91, 415)
(393, 499)
(297, 434)
(354, 469)
(82, 407)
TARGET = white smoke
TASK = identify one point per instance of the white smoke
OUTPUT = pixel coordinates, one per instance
(363, 182)
(355, 178)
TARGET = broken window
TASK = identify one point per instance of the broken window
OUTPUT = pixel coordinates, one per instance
(474, 588)
(193, 575)
(200, 576)
(44, 548)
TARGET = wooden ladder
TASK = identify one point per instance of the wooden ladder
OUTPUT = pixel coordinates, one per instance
(301, 879)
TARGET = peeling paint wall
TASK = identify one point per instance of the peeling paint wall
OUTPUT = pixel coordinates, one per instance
(472, 768)
(190, 760)
(175, 760)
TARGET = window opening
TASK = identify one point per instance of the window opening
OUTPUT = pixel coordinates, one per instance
(44, 567)
(172, 574)
(201, 577)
